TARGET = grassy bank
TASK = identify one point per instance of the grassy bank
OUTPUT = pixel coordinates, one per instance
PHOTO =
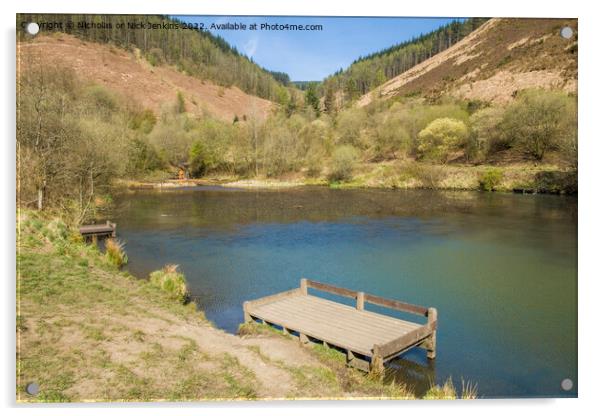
(87, 331)
(518, 177)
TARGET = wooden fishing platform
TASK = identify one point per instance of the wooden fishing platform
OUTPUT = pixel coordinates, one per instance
(99, 230)
(370, 339)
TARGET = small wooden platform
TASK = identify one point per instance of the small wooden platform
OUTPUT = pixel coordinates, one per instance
(370, 339)
(99, 230)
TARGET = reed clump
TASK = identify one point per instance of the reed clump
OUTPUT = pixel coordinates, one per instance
(172, 282)
(448, 391)
(115, 252)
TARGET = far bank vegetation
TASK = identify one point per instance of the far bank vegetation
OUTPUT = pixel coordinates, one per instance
(75, 138)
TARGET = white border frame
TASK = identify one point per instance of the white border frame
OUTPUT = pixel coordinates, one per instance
(589, 207)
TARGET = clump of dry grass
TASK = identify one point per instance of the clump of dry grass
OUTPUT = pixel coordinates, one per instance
(115, 252)
(445, 392)
(469, 390)
(429, 176)
(171, 281)
(448, 391)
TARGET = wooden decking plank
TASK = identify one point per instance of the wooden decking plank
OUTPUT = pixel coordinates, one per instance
(343, 334)
(95, 228)
(320, 333)
(276, 297)
(377, 316)
(360, 318)
(348, 318)
(313, 301)
(341, 331)
(98, 229)
(337, 321)
(312, 318)
(386, 321)
(323, 333)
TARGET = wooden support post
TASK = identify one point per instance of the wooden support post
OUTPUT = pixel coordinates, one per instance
(285, 331)
(356, 362)
(431, 345)
(351, 359)
(303, 286)
(359, 303)
(303, 338)
(324, 343)
(377, 365)
(245, 308)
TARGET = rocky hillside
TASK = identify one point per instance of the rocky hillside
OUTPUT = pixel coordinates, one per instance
(500, 58)
(135, 79)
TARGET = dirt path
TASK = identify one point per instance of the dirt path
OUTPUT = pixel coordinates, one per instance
(267, 357)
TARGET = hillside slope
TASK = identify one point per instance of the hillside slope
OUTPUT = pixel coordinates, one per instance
(370, 71)
(492, 63)
(134, 78)
(199, 53)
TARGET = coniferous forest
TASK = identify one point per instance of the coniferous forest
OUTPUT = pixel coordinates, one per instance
(368, 72)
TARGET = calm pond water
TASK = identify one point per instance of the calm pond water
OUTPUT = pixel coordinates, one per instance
(500, 268)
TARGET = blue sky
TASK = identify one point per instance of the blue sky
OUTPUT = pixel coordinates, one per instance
(313, 55)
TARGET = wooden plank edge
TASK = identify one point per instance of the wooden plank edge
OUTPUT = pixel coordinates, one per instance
(271, 298)
(303, 334)
(398, 345)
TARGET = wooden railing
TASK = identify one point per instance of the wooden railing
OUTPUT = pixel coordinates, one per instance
(424, 335)
(412, 338)
(361, 298)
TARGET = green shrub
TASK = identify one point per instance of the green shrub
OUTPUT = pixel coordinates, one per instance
(350, 123)
(314, 166)
(169, 280)
(440, 137)
(180, 103)
(115, 252)
(103, 99)
(142, 157)
(485, 137)
(155, 57)
(143, 120)
(490, 179)
(199, 159)
(344, 159)
(540, 121)
(391, 139)
(556, 182)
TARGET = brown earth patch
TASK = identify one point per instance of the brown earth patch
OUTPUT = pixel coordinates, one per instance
(134, 78)
(493, 62)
